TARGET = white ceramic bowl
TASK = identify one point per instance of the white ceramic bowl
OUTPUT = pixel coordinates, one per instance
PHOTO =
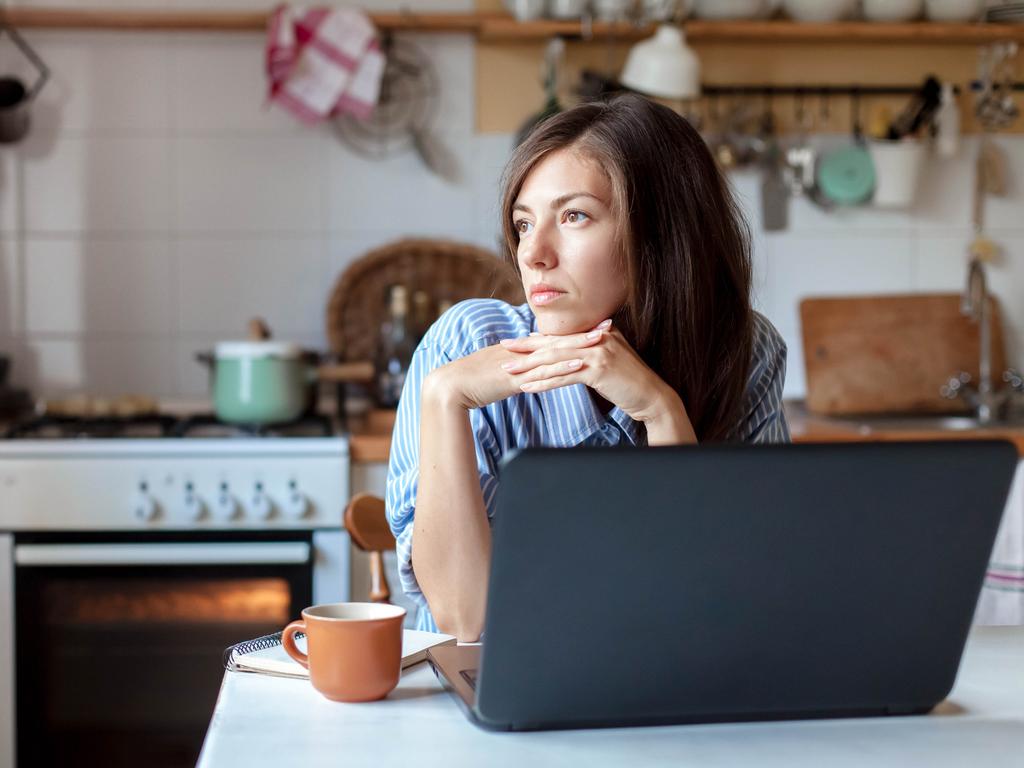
(665, 10)
(731, 9)
(526, 10)
(819, 10)
(953, 10)
(892, 10)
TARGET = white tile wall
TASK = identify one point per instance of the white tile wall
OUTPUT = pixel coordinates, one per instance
(159, 203)
(84, 286)
(224, 282)
(10, 288)
(98, 184)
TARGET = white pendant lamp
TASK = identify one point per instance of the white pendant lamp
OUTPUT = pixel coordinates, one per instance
(663, 66)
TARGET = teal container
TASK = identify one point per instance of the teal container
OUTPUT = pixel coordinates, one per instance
(259, 382)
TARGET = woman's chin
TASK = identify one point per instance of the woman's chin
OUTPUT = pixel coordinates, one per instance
(555, 325)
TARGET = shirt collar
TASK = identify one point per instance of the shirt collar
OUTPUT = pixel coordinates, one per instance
(572, 416)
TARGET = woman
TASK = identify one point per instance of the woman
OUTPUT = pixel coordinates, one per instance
(638, 330)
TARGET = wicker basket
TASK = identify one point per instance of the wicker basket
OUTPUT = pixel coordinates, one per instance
(446, 270)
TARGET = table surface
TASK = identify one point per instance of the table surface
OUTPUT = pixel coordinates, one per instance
(261, 720)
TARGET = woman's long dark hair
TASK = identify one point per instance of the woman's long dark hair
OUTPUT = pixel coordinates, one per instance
(685, 243)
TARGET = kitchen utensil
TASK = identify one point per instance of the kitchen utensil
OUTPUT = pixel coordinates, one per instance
(819, 10)
(12, 401)
(847, 176)
(889, 354)
(953, 10)
(918, 111)
(405, 110)
(892, 10)
(897, 171)
(15, 97)
(989, 179)
(553, 55)
(260, 381)
(802, 160)
(774, 190)
(995, 106)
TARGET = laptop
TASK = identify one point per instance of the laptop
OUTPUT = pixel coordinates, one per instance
(730, 582)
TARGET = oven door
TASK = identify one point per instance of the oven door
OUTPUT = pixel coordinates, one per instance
(119, 641)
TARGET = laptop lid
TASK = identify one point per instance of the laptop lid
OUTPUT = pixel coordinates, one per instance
(731, 582)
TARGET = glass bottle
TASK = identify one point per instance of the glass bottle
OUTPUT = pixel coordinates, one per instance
(396, 347)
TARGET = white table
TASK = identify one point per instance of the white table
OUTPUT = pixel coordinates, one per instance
(266, 721)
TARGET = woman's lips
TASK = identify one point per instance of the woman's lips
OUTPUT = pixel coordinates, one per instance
(542, 298)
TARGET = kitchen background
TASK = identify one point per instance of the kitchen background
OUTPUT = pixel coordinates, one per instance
(158, 203)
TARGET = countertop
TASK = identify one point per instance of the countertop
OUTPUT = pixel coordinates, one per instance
(371, 439)
(262, 721)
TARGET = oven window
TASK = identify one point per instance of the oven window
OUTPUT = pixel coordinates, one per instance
(122, 665)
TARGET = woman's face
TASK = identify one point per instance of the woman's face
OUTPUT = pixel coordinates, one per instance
(568, 252)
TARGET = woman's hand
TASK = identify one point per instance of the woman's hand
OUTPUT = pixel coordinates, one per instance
(603, 360)
(479, 379)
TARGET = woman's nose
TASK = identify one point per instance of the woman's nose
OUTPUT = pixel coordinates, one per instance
(540, 250)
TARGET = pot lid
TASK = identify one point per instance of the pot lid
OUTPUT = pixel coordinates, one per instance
(251, 349)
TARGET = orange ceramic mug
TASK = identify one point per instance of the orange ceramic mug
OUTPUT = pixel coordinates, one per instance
(354, 649)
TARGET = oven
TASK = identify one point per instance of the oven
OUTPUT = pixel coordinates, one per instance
(128, 566)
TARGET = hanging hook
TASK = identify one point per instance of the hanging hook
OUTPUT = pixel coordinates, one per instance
(858, 128)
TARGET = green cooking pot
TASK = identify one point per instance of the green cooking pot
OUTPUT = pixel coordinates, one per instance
(260, 382)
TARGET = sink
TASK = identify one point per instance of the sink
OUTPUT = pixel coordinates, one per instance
(928, 423)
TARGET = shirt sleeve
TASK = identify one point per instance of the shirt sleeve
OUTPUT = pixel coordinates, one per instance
(765, 419)
(403, 465)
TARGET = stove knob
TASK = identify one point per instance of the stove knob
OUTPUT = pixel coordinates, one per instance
(225, 506)
(145, 507)
(261, 507)
(296, 505)
(193, 509)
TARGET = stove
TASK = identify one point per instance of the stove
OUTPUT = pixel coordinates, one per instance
(162, 472)
(166, 534)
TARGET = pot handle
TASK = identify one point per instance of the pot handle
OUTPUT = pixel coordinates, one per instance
(206, 358)
(31, 55)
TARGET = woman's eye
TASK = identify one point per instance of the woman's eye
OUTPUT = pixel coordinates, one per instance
(522, 226)
(575, 217)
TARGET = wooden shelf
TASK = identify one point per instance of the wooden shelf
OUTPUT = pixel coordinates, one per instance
(218, 21)
(501, 27)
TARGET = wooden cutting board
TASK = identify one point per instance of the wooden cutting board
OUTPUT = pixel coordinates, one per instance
(891, 354)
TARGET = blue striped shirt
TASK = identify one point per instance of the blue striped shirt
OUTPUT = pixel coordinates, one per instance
(561, 417)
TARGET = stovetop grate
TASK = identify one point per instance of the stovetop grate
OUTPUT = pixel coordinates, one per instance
(161, 425)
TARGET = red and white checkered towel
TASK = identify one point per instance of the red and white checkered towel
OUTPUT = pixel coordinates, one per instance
(321, 61)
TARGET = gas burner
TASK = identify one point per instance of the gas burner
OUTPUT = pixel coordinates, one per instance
(87, 427)
(208, 425)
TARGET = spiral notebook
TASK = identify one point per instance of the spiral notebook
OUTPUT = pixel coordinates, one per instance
(265, 655)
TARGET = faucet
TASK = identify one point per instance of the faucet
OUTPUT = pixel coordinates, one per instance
(988, 404)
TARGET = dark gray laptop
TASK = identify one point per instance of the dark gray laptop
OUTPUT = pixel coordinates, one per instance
(721, 583)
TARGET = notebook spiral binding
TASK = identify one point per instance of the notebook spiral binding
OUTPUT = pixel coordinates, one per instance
(233, 652)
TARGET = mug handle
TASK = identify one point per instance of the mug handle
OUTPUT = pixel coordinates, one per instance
(288, 641)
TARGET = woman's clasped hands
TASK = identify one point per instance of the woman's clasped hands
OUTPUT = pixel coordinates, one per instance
(601, 359)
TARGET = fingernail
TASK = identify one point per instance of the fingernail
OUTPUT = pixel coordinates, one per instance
(507, 342)
(535, 333)
(572, 364)
(594, 335)
(605, 324)
(507, 365)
